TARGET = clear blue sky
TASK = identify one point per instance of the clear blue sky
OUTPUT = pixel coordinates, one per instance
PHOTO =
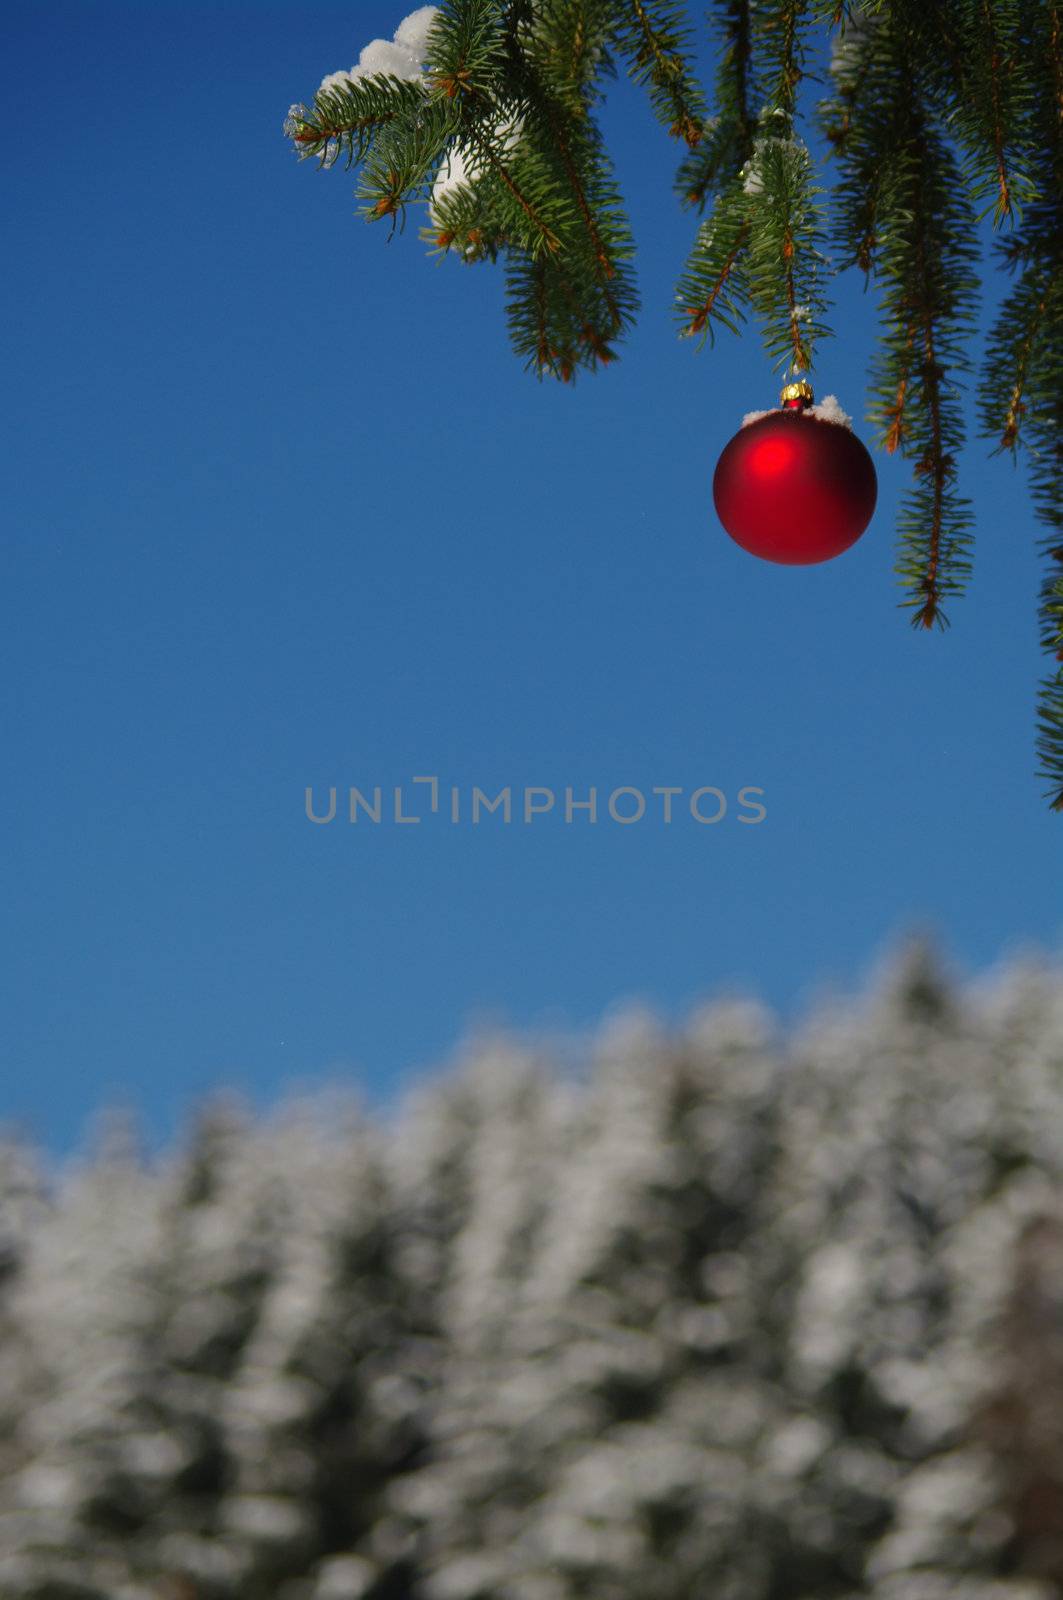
(284, 510)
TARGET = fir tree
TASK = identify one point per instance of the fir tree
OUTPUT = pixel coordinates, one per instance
(487, 113)
(730, 1313)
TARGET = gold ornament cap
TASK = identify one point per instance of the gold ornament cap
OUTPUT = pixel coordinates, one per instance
(797, 393)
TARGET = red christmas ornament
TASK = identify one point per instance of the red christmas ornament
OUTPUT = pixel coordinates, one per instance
(793, 486)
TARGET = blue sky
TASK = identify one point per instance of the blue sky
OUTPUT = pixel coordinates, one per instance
(284, 510)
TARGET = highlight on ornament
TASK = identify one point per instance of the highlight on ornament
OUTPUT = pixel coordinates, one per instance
(795, 485)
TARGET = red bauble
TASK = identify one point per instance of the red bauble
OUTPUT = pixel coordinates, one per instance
(794, 487)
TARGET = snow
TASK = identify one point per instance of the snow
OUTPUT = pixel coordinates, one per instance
(752, 176)
(344, 1578)
(459, 168)
(829, 410)
(412, 31)
(401, 56)
(826, 410)
(848, 44)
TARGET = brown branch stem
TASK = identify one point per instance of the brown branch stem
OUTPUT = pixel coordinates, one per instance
(700, 315)
(550, 238)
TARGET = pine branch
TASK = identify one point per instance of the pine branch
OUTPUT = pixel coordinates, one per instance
(936, 110)
(465, 221)
(404, 159)
(1012, 345)
(902, 213)
(466, 49)
(1050, 727)
(783, 28)
(728, 138)
(654, 39)
(566, 43)
(553, 324)
(710, 290)
(1021, 391)
(542, 235)
(865, 122)
(991, 58)
(928, 302)
(894, 416)
(347, 118)
(786, 264)
(931, 549)
(762, 247)
(600, 247)
(1044, 427)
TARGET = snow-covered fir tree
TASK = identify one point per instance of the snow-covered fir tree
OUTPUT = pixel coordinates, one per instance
(723, 1312)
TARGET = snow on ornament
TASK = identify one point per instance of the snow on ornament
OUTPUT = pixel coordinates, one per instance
(795, 485)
